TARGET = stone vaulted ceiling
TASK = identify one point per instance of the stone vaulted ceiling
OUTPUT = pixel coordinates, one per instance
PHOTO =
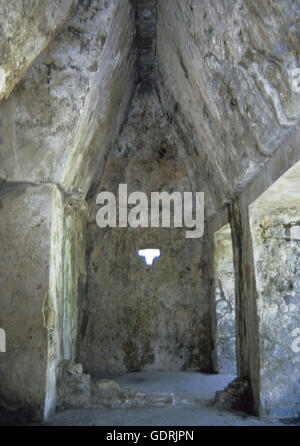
(222, 71)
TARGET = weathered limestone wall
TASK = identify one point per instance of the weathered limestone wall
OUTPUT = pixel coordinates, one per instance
(247, 339)
(39, 288)
(25, 233)
(276, 239)
(66, 280)
(57, 127)
(66, 111)
(139, 317)
(225, 302)
(252, 317)
(224, 77)
(275, 227)
(67, 74)
(27, 27)
(74, 269)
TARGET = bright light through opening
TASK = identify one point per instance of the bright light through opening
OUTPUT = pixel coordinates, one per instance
(149, 255)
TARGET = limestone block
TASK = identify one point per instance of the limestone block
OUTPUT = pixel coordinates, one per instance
(107, 386)
(74, 386)
(25, 232)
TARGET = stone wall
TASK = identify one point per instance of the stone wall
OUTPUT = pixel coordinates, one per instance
(139, 317)
(40, 230)
(220, 72)
(63, 106)
(224, 77)
(72, 100)
(275, 227)
(247, 324)
(276, 238)
(224, 302)
(24, 276)
(26, 30)
(66, 280)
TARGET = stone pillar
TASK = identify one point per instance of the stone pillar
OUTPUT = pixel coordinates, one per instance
(25, 238)
(41, 265)
(247, 338)
(224, 295)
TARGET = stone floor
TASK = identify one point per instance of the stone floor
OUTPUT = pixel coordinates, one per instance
(193, 395)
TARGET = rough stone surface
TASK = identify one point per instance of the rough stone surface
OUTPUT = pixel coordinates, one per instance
(107, 386)
(74, 386)
(247, 323)
(237, 396)
(24, 276)
(66, 283)
(76, 390)
(225, 302)
(109, 393)
(275, 226)
(194, 393)
(224, 77)
(67, 110)
(136, 316)
(39, 230)
(27, 27)
(214, 111)
(129, 398)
